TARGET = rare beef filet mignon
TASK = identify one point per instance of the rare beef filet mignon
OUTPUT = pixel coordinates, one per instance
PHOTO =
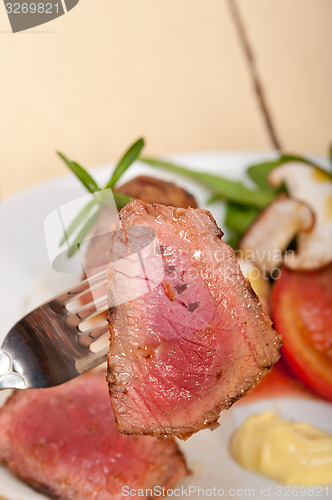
(193, 344)
(64, 441)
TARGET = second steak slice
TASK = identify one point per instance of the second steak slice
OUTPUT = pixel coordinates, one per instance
(193, 344)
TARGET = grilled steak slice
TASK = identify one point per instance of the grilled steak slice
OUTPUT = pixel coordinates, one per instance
(64, 441)
(195, 343)
(146, 189)
(154, 190)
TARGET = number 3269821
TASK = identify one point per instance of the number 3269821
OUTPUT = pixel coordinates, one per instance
(32, 8)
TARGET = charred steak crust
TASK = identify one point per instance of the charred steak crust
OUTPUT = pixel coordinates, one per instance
(197, 342)
(154, 190)
(63, 441)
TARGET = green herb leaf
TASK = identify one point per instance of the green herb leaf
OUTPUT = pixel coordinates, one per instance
(127, 159)
(83, 233)
(227, 189)
(80, 217)
(88, 182)
(239, 218)
(259, 172)
(101, 198)
(122, 197)
(121, 200)
(213, 199)
(104, 199)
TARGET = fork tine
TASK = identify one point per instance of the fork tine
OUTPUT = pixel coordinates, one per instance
(82, 288)
(88, 337)
(49, 345)
(92, 360)
(74, 318)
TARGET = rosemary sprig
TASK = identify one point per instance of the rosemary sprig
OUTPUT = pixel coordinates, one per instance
(77, 221)
(121, 200)
(127, 159)
(259, 172)
(81, 223)
(83, 233)
(88, 182)
(226, 189)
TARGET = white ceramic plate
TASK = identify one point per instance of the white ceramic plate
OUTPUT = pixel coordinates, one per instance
(27, 279)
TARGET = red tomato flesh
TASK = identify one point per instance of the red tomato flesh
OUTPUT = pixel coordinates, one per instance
(302, 314)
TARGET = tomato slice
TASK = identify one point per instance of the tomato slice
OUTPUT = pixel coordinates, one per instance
(302, 314)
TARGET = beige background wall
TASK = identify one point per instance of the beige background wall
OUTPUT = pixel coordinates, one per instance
(92, 81)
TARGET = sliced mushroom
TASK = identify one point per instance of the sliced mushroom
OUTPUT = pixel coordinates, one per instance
(313, 186)
(271, 233)
(258, 281)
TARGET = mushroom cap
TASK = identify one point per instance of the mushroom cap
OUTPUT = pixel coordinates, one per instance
(273, 230)
(313, 186)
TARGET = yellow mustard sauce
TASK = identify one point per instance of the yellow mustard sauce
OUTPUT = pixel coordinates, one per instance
(319, 175)
(293, 453)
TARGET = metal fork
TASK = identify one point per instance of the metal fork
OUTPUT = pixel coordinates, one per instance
(47, 346)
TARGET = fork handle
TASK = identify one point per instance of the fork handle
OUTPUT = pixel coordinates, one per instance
(9, 377)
